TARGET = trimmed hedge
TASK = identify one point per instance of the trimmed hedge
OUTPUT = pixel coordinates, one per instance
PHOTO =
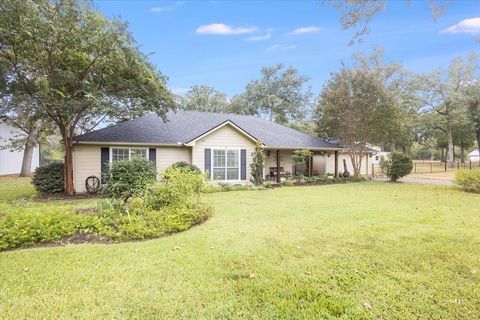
(49, 179)
(468, 180)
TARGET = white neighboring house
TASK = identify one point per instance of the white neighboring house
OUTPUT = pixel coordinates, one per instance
(474, 156)
(11, 161)
(378, 154)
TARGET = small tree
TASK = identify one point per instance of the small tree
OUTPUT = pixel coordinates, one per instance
(397, 165)
(258, 162)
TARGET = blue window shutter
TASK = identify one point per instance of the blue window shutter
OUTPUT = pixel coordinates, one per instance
(208, 161)
(104, 161)
(152, 156)
(243, 164)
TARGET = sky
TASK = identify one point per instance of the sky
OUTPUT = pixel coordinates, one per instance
(224, 44)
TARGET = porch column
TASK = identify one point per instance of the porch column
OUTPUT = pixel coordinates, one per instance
(310, 166)
(336, 163)
(278, 166)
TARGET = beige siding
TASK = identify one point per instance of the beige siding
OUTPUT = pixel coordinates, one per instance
(330, 167)
(225, 137)
(166, 156)
(86, 162)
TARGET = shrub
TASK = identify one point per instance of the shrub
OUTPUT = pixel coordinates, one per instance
(128, 178)
(397, 165)
(288, 183)
(186, 165)
(177, 185)
(49, 179)
(468, 180)
(25, 226)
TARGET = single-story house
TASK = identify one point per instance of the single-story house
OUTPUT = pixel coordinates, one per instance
(11, 160)
(474, 156)
(219, 144)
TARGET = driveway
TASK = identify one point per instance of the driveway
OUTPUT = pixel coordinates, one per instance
(420, 180)
(438, 182)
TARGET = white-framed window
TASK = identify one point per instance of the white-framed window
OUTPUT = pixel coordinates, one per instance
(225, 164)
(122, 153)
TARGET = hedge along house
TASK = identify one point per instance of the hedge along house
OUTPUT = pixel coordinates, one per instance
(219, 144)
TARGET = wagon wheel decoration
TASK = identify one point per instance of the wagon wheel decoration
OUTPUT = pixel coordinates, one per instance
(92, 184)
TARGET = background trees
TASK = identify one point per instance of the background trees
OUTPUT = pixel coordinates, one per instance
(204, 98)
(281, 95)
(77, 68)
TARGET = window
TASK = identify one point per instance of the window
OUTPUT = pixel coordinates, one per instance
(226, 164)
(119, 154)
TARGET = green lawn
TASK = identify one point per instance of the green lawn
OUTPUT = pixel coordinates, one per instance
(408, 251)
(12, 188)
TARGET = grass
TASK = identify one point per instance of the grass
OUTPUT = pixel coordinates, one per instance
(13, 187)
(406, 251)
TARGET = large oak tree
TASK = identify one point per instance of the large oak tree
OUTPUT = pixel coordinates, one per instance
(77, 67)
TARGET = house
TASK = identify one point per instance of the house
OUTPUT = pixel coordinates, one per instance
(377, 154)
(219, 144)
(11, 160)
(474, 156)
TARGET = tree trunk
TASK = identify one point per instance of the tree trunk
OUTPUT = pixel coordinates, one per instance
(450, 160)
(68, 174)
(443, 154)
(30, 145)
(462, 152)
(478, 142)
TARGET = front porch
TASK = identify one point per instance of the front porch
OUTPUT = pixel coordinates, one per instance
(279, 164)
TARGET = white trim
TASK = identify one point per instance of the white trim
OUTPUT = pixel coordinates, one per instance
(129, 152)
(228, 122)
(226, 161)
(101, 143)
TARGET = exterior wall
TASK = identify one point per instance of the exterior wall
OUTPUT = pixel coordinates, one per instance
(11, 162)
(375, 158)
(225, 137)
(166, 156)
(330, 165)
(285, 160)
(86, 162)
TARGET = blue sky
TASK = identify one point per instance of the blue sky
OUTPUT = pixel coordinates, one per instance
(225, 44)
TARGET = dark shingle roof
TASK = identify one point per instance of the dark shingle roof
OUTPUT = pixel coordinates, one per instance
(184, 126)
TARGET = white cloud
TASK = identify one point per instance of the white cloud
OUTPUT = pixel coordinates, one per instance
(259, 38)
(166, 8)
(224, 29)
(281, 47)
(161, 9)
(302, 30)
(179, 91)
(470, 26)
